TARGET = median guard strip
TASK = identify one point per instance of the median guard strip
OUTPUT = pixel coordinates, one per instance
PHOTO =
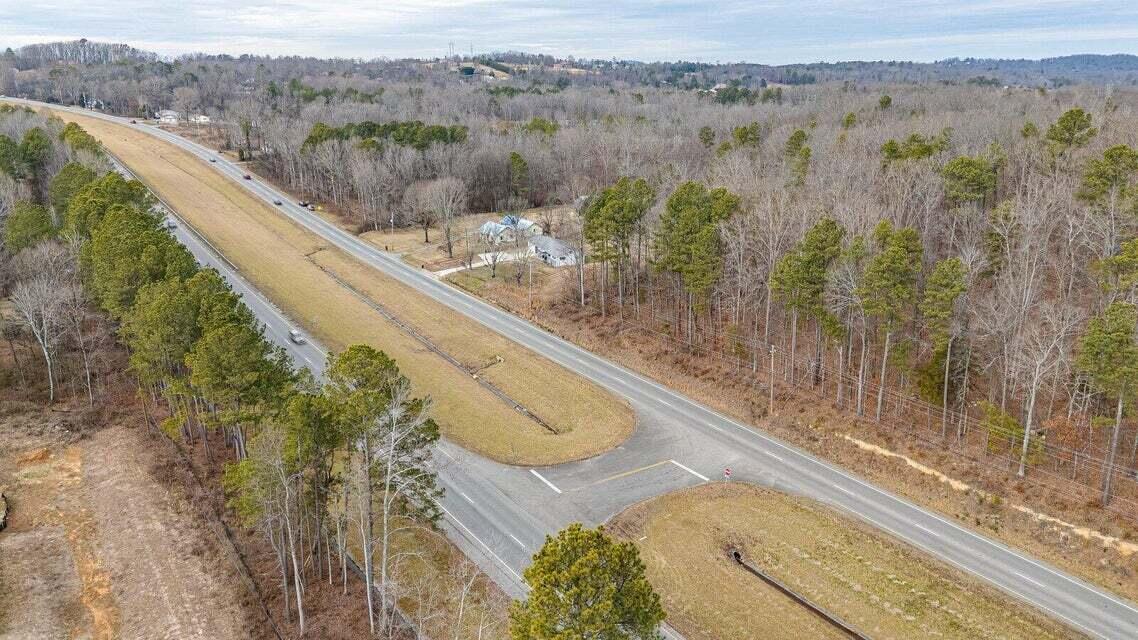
(817, 610)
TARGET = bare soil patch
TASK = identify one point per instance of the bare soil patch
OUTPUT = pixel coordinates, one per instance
(96, 547)
(880, 586)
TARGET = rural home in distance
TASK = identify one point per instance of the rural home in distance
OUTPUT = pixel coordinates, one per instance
(508, 230)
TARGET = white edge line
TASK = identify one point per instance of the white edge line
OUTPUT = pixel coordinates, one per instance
(542, 478)
(985, 578)
(696, 474)
(520, 543)
(598, 361)
(488, 549)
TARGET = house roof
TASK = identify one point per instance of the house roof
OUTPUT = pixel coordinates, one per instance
(551, 245)
(491, 228)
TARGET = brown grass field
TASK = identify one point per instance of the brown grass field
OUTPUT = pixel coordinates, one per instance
(284, 261)
(878, 585)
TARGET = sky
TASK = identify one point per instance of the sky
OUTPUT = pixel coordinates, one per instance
(763, 31)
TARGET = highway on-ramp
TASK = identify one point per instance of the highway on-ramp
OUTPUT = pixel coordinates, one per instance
(499, 514)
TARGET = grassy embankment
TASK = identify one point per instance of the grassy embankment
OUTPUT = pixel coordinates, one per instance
(884, 588)
(286, 261)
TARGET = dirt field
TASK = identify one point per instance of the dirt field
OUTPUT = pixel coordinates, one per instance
(97, 547)
(883, 588)
(274, 253)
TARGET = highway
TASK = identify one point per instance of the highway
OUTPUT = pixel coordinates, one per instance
(500, 514)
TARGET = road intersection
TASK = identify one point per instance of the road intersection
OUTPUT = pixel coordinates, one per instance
(499, 514)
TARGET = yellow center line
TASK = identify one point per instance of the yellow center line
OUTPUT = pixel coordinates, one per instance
(621, 475)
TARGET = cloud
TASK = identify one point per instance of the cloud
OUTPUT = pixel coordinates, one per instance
(772, 31)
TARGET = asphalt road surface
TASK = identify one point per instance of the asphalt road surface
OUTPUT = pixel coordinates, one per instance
(499, 515)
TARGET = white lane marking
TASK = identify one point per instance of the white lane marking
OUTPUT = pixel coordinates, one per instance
(484, 546)
(698, 475)
(956, 564)
(927, 530)
(779, 458)
(467, 497)
(845, 490)
(520, 544)
(1034, 582)
(542, 478)
(603, 364)
(444, 452)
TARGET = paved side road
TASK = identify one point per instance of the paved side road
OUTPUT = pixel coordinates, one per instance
(501, 514)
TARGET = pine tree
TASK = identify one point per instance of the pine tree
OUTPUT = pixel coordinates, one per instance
(799, 278)
(586, 585)
(1108, 355)
(889, 286)
(945, 286)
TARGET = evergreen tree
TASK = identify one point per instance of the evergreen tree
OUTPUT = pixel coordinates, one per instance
(687, 243)
(68, 182)
(26, 225)
(799, 278)
(945, 286)
(1072, 130)
(586, 585)
(1108, 355)
(612, 219)
(889, 286)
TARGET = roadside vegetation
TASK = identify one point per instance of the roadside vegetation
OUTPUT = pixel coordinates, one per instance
(307, 463)
(881, 587)
(926, 275)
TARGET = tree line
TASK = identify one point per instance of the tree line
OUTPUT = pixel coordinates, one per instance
(322, 468)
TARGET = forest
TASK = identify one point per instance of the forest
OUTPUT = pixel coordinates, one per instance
(951, 247)
(88, 261)
(970, 245)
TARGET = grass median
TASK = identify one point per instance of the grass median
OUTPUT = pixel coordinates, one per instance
(288, 263)
(882, 587)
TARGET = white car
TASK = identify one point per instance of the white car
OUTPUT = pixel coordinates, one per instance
(296, 336)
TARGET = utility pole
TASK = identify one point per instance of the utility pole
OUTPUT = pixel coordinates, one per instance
(770, 384)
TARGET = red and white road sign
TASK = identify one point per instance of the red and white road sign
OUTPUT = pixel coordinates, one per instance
(727, 474)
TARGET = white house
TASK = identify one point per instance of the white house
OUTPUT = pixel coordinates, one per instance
(552, 251)
(199, 118)
(525, 228)
(496, 233)
(167, 116)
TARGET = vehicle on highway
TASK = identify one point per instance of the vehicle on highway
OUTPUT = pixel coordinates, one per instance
(134, 121)
(169, 224)
(277, 202)
(213, 159)
(296, 336)
(303, 203)
(311, 207)
(247, 177)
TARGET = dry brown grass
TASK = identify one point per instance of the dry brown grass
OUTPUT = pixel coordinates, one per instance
(880, 586)
(273, 253)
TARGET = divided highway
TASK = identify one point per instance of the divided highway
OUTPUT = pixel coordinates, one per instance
(499, 514)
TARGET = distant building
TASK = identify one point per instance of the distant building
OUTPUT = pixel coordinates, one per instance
(496, 233)
(199, 119)
(525, 228)
(553, 252)
(167, 116)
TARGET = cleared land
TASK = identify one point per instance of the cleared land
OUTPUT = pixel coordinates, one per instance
(288, 264)
(98, 547)
(884, 588)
